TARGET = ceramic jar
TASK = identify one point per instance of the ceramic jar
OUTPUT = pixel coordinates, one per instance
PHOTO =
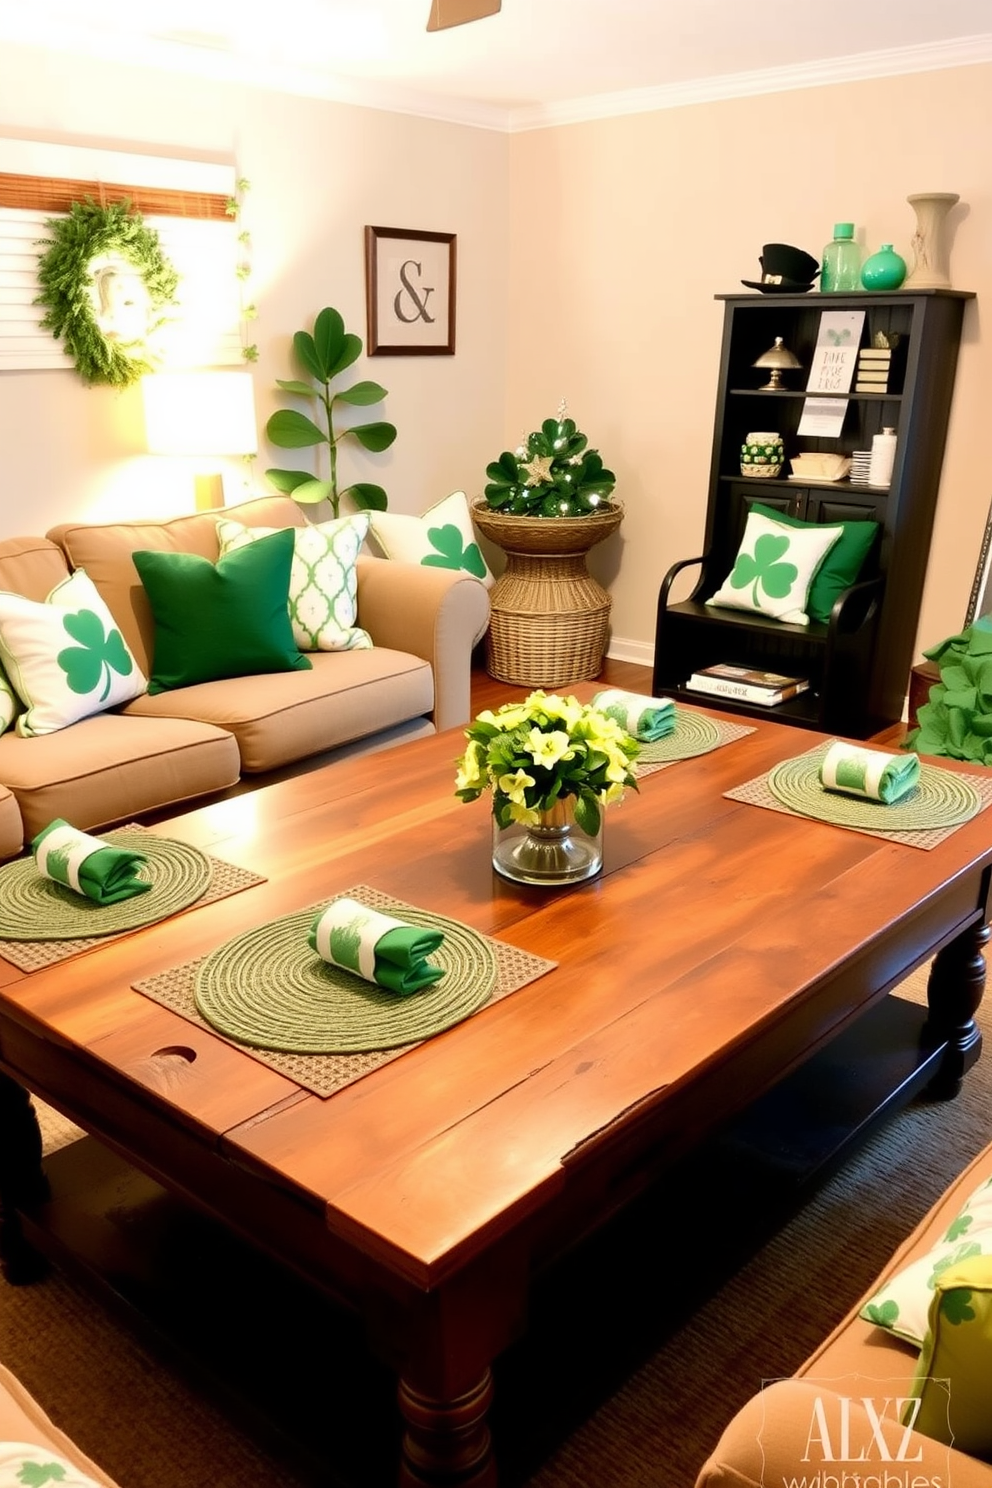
(762, 455)
(885, 269)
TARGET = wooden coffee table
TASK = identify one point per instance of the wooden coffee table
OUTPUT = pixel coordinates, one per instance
(723, 946)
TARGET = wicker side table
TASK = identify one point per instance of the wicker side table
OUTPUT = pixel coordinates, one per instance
(549, 618)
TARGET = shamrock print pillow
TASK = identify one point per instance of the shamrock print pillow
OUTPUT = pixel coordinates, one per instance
(443, 537)
(65, 657)
(24, 1465)
(775, 567)
(902, 1303)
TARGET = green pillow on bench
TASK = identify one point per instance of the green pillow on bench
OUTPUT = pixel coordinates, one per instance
(842, 564)
(228, 619)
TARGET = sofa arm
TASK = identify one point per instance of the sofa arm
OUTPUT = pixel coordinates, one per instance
(435, 613)
(793, 1431)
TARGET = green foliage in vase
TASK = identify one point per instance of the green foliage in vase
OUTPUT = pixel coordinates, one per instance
(553, 474)
(544, 750)
(325, 354)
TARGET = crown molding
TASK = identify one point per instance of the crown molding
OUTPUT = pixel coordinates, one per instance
(964, 51)
(219, 65)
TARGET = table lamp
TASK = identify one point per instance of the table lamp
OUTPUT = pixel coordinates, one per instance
(200, 414)
(776, 360)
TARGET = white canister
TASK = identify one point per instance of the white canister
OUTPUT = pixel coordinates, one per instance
(883, 458)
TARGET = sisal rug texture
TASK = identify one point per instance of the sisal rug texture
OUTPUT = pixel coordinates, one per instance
(640, 1348)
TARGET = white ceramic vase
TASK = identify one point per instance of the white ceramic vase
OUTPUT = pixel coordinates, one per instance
(930, 251)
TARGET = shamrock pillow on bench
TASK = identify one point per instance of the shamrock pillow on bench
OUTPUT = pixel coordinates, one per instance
(775, 567)
(65, 656)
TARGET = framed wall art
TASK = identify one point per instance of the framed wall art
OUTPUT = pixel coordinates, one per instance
(410, 292)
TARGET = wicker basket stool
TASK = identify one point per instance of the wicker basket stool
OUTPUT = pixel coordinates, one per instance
(549, 618)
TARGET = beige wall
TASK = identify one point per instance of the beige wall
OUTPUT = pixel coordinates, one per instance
(588, 259)
(624, 230)
(319, 172)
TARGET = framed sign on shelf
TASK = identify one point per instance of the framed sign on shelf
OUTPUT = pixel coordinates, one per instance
(410, 292)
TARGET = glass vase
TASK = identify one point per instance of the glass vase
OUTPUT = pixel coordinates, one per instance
(555, 851)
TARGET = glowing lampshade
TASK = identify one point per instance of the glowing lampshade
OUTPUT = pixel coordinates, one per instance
(200, 414)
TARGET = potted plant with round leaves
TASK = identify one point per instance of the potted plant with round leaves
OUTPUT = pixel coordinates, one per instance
(325, 354)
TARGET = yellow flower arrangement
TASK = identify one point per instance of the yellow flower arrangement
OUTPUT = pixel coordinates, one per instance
(543, 750)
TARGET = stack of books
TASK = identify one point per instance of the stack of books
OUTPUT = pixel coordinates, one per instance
(746, 684)
(874, 366)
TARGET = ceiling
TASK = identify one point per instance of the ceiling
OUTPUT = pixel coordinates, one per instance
(536, 62)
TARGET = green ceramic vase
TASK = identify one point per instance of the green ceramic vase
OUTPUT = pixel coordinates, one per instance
(883, 270)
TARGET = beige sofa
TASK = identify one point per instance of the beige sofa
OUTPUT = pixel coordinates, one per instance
(158, 751)
(778, 1436)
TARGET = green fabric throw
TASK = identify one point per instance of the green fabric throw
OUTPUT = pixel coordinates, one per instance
(88, 865)
(376, 946)
(869, 773)
(645, 718)
(957, 721)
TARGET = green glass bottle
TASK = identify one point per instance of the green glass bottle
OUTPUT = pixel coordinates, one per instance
(840, 271)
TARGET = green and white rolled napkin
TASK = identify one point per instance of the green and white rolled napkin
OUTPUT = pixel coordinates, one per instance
(869, 773)
(88, 865)
(645, 718)
(376, 946)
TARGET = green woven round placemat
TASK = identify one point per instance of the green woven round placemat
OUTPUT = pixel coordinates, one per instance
(693, 734)
(267, 988)
(940, 799)
(35, 908)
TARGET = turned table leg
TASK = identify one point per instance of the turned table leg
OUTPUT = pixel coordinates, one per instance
(954, 992)
(446, 1444)
(22, 1181)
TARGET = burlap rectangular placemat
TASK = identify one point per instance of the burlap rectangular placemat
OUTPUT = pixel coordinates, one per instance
(35, 955)
(728, 733)
(757, 793)
(323, 1074)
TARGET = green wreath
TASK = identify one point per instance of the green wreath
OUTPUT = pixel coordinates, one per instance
(104, 283)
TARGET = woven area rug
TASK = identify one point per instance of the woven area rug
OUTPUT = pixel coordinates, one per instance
(323, 1074)
(634, 1360)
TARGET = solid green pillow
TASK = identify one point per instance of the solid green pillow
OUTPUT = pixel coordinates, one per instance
(229, 619)
(841, 566)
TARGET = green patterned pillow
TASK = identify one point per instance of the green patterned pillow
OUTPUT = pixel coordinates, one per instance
(65, 657)
(323, 583)
(954, 1377)
(775, 567)
(902, 1303)
(443, 537)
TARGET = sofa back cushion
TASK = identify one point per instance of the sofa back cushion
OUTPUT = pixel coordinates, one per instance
(105, 551)
(31, 566)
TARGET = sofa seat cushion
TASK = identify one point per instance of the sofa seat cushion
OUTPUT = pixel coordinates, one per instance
(11, 826)
(857, 1347)
(112, 768)
(22, 1419)
(286, 716)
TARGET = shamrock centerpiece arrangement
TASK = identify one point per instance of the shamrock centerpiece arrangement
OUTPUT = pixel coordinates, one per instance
(550, 498)
(553, 473)
(552, 764)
